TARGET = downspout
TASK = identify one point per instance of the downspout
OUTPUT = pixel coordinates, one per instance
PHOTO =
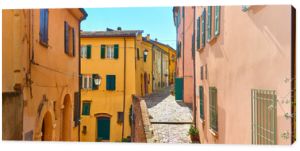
(79, 72)
(79, 66)
(152, 68)
(124, 87)
(194, 64)
(183, 20)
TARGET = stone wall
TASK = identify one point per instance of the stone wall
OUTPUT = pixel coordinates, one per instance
(142, 130)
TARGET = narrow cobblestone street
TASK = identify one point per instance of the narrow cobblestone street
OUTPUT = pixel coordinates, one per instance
(170, 119)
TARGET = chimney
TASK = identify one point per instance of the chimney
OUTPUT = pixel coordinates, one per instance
(155, 39)
(109, 29)
(119, 28)
(148, 37)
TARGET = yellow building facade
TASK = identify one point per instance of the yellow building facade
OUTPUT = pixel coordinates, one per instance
(40, 74)
(108, 73)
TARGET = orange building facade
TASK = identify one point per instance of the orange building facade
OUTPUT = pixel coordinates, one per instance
(40, 74)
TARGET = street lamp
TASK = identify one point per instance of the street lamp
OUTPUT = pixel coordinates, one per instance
(97, 80)
(145, 55)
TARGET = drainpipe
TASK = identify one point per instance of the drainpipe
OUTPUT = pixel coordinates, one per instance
(124, 87)
(183, 33)
(194, 64)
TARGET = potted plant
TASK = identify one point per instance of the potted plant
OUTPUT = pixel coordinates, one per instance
(194, 134)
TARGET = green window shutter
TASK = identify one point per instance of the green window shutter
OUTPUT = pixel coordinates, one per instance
(198, 33)
(208, 22)
(108, 82)
(113, 82)
(88, 51)
(201, 102)
(73, 42)
(102, 51)
(80, 81)
(213, 109)
(103, 128)
(217, 20)
(182, 12)
(203, 27)
(86, 106)
(116, 51)
(66, 38)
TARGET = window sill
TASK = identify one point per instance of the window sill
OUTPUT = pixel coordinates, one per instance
(215, 134)
(202, 121)
(44, 44)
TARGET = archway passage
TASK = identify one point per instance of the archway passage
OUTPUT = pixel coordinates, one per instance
(66, 119)
(47, 127)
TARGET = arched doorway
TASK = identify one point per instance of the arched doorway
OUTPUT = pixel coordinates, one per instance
(47, 128)
(66, 119)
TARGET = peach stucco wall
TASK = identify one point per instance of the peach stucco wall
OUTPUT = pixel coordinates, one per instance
(185, 67)
(253, 51)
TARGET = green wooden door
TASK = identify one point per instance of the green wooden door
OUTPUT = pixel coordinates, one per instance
(103, 128)
(178, 88)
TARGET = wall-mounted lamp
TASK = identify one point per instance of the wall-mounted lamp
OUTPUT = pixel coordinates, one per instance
(97, 80)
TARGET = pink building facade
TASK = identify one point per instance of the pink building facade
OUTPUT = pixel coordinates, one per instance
(184, 20)
(245, 73)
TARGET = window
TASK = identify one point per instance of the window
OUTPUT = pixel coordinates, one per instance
(145, 56)
(138, 53)
(120, 117)
(87, 82)
(213, 114)
(110, 82)
(206, 72)
(208, 23)
(86, 106)
(201, 96)
(86, 51)
(201, 72)
(264, 116)
(44, 13)
(110, 51)
(198, 33)
(217, 20)
(76, 109)
(69, 40)
(203, 27)
(178, 50)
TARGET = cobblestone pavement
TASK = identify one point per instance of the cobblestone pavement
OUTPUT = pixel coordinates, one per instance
(162, 109)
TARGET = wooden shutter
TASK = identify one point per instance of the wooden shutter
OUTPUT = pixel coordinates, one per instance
(116, 51)
(201, 96)
(138, 53)
(108, 81)
(76, 108)
(217, 20)
(88, 51)
(102, 51)
(203, 27)
(80, 81)
(66, 38)
(213, 114)
(208, 22)
(73, 34)
(46, 27)
(113, 82)
(198, 33)
(86, 106)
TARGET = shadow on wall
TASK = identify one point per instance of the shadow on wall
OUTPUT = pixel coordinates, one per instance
(272, 31)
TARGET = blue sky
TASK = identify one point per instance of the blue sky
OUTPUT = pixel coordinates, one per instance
(156, 21)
